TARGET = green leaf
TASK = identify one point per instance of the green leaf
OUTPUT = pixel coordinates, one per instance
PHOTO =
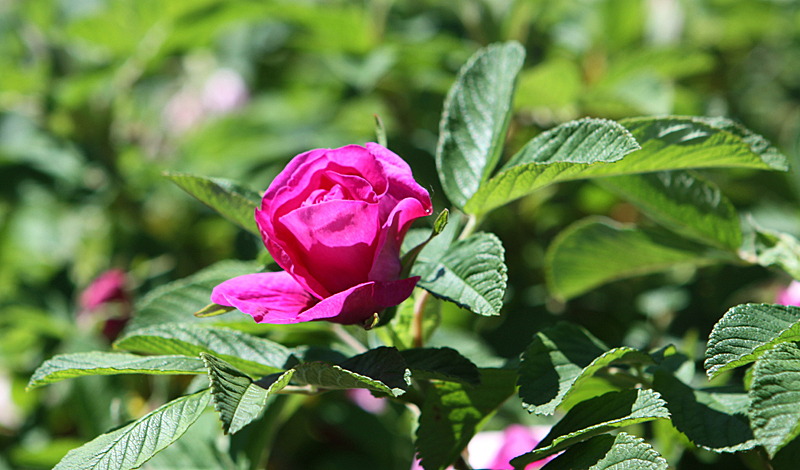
(587, 254)
(775, 397)
(475, 119)
(133, 445)
(237, 398)
(589, 148)
(441, 364)
(403, 324)
(471, 273)
(770, 248)
(233, 202)
(684, 202)
(67, 366)
(746, 331)
(453, 412)
(254, 355)
(177, 301)
(573, 150)
(559, 359)
(381, 370)
(787, 457)
(597, 416)
(606, 452)
(715, 421)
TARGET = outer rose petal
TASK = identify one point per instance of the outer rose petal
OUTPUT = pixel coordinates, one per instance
(359, 303)
(267, 297)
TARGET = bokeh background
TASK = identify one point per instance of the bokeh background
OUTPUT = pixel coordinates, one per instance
(99, 97)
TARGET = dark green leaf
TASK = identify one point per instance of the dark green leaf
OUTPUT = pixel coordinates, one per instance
(475, 119)
(775, 397)
(254, 355)
(441, 364)
(133, 445)
(382, 370)
(237, 398)
(606, 452)
(587, 254)
(471, 273)
(747, 331)
(67, 366)
(452, 413)
(596, 416)
(684, 202)
(714, 421)
(233, 202)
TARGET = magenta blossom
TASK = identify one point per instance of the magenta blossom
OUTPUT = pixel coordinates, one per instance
(790, 295)
(108, 288)
(334, 220)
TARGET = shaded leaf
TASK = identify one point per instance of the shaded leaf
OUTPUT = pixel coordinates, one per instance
(603, 452)
(67, 366)
(471, 273)
(453, 412)
(770, 248)
(775, 397)
(746, 331)
(131, 446)
(475, 119)
(254, 355)
(235, 203)
(237, 398)
(587, 254)
(441, 364)
(596, 416)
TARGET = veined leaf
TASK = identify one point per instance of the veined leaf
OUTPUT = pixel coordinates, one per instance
(590, 148)
(453, 412)
(254, 355)
(475, 119)
(67, 366)
(587, 254)
(471, 273)
(237, 398)
(133, 445)
(381, 369)
(684, 202)
(596, 416)
(441, 364)
(606, 452)
(712, 420)
(233, 202)
(775, 397)
(179, 300)
(746, 331)
(771, 248)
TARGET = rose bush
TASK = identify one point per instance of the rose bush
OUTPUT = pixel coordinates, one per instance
(334, 220)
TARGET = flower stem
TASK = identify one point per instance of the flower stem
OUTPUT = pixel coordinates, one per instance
(348, 339)
(419, 312)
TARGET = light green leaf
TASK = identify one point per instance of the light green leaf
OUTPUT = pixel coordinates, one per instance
(67, 366)
(770, 248)
(133, 445)
(475, 119)
(606, 452)
(597, 416)
(775, 397)
(570, 151)
(715, 421)
(441, 364)
(235, 203)
(179, 300)
(237, 398)
(254, 355)
(453, 412)
(590, 148)
(589, 252)
(381, 369)
(682, 201)
(746, 331)
(471, 273)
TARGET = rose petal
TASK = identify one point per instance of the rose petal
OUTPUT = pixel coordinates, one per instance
(386, 265)
(359, 303)
(401, 181)
(267, 297)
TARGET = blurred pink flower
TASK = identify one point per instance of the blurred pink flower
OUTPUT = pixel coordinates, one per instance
(494, 450)
(366, 401)
(221, 93)
(789, 295)
(109, 287)
(224, 91)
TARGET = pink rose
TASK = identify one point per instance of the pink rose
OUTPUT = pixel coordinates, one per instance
(108, 288)
(789, 295)
(334, 220)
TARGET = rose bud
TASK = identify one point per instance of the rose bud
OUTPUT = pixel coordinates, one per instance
(334, 220)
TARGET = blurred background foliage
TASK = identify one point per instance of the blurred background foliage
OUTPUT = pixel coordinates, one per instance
(98, 97)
